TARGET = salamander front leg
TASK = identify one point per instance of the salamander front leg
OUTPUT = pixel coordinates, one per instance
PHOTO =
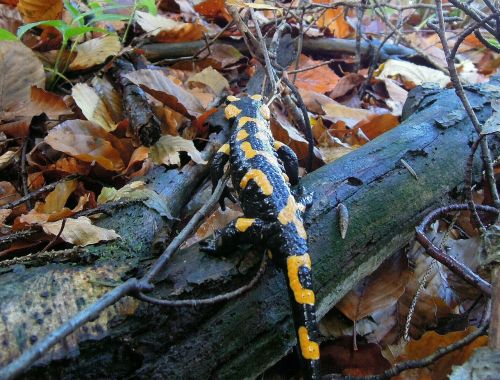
(239, 231)
(290, 161)
(217, 171)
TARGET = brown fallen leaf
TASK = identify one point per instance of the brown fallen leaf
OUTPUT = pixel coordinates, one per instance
(167, 30)
(88, 142)
(213, 10)
(333, 20)
(111, 98)
(8, 157)
(161, 87)
(92, 106)
(212, 78)
(21, 70)
(40, 10)
(10, 18)
(429, 344)
(95, 52)
(80, 231)
(380, 290)
(40, 101)
(374, 125)
(410, 74)
(166, 151)
(320, 79)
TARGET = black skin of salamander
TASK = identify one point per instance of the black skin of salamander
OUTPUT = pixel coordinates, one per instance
(267, 231)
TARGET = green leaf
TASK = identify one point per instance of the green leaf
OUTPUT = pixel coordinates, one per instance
(5, 35)
(94, 12)
(150, 5)
(494, 42)
(70, 32)
(74, 11)
(58, 24)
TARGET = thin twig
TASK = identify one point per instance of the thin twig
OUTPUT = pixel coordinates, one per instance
(36, 193)
(440, 29)
(420, 363)
(211, 300)
(453, 265)
(24, 173)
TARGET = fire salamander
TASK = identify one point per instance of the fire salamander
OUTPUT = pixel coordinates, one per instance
(262, 172)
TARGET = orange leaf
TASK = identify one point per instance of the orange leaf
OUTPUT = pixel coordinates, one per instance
(320, 79)
(213, 10)
(375, 125)
(87, 142)
(40, 10)
(334, 21)
(430, 343)
(167, 30)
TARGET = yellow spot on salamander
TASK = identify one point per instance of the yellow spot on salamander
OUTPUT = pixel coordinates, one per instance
(259, 178)
(278, 145)
(245, 119)
(293, 263)
(269, 254)
(308, 348)
(242, 224)
(256, 97)
(232, 98)
(285, 177)
(289, 215)
(241, 135)
(224, 149)
(231, 111)
(265, 112)
(250, 152)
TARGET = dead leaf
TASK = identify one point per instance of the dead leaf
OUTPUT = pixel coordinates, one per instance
(158, 85)
(213, 10)
(8, 193)
(87, 142)
(168, 30)
(136, 190)
(320, 79)
(397, 96)
(374, 125)
(20, 70)
(429, 344)
(10, 18)
(80, 231)
(111, 98)
(217, 220)
(340, 357)
(334, 20)
(380, 290)
(212, 78)
(40, 10)
(16, 129)
(7, 158)
(411, 74)
(40, 101)
(92, 106)
(166, 151)
(346, 84)
(95, 52)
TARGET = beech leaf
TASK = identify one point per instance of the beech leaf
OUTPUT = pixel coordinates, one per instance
(92, 106)
(80, 231)
(166, 151)
(96, 51)
(161, 87)
(20, 70)
(212, 78)
(87, 142)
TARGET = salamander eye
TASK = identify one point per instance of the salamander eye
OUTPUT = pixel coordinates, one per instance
(256, 97)
(265, 112)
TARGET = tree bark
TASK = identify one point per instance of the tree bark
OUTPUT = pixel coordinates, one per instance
(243, 337)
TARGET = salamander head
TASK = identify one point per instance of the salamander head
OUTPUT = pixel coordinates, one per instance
(250, 106)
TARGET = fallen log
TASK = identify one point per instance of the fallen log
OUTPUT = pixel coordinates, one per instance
(325, 47)
(243, 337)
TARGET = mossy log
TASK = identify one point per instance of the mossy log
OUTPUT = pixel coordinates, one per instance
(243, 337)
